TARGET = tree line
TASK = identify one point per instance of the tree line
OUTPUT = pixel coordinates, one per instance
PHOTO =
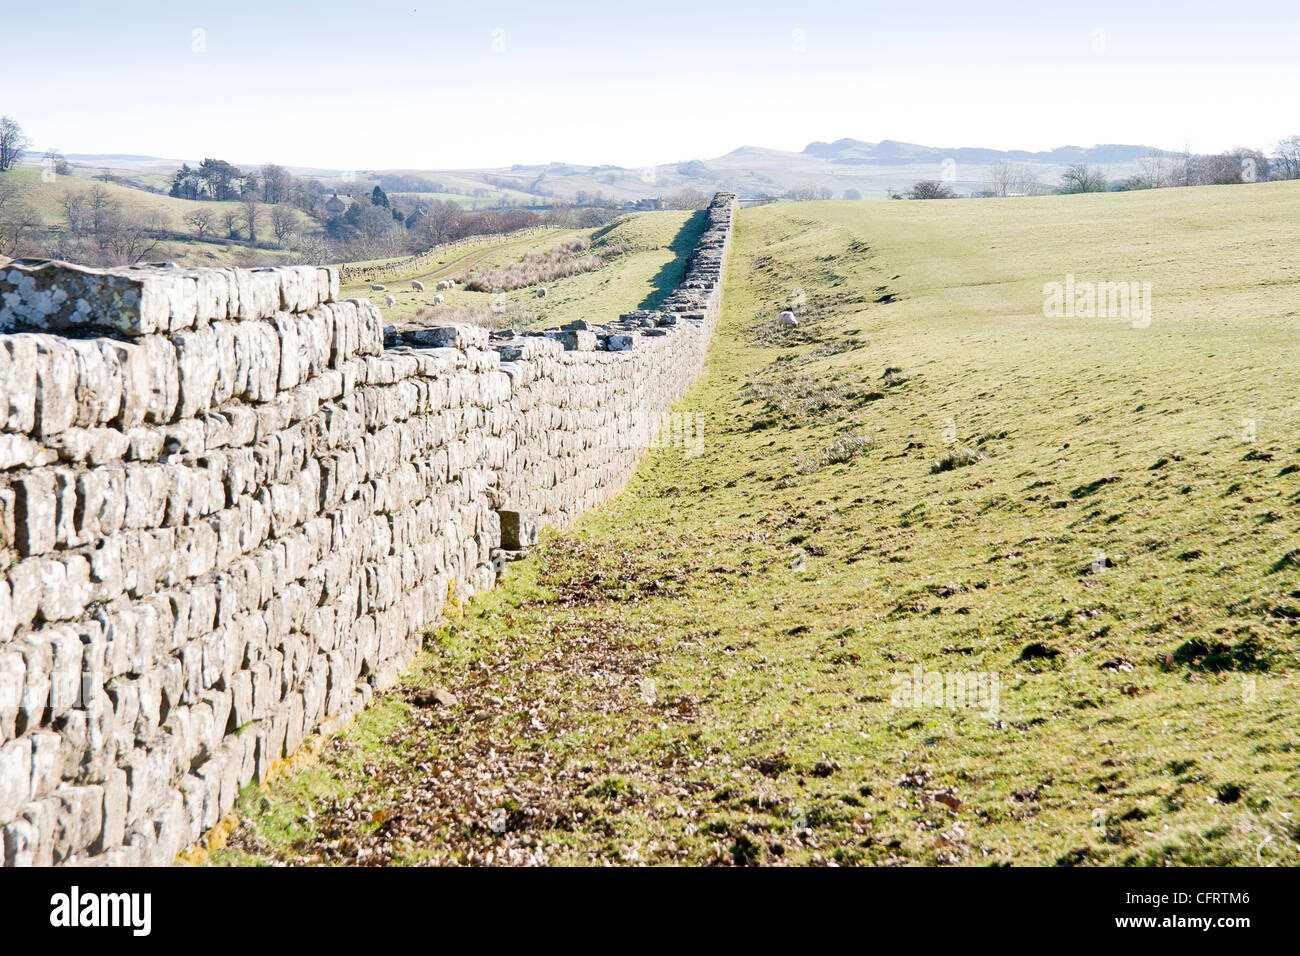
(1157, 170)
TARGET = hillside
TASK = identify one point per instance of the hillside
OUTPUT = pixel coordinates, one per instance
(722, 658)
(644, 256)
(161, 213)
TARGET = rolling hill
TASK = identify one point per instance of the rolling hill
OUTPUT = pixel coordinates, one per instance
(868, 169)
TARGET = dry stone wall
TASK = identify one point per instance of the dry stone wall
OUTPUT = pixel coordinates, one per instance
(229, 508)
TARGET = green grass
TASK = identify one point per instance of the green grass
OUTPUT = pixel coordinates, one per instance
(708, 669)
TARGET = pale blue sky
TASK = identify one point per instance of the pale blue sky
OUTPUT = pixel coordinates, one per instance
(385, 84)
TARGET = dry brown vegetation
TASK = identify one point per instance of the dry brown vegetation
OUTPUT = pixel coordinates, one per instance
(561, 260)
(489, 316)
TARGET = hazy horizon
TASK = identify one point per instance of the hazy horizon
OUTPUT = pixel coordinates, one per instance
(390, 86)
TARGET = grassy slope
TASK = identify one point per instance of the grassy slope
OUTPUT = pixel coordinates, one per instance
(47, 199)
(703, 670)
(659, 242)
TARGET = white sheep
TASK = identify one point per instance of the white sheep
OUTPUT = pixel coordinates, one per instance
(376, 287)
(787, 320)
(437, 299)
(442, 284)
(417, 285)
(541, 292)
(390, 301)
(451, 283)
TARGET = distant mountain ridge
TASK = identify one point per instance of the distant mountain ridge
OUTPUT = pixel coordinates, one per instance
(846, 168)
(892, 152)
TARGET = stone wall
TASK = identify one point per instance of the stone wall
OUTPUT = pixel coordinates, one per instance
(230, 505)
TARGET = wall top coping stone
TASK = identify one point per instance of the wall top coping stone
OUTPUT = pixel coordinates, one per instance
(49, 295)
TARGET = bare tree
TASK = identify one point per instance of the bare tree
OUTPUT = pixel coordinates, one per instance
(1185, 169)
(439, 222)
(18, 220)
(230, 219)
(1081, 178)
(686, 199)
(283, 224)
(808, 193)
(124, 239)
(1287, 159)
(75, 212)
(200, 219)
(277, 184)
(252, 213)
(102, 207)
(1218, 170)
(1252, 165)
(13, 142)
(1154, 171)
(314, 249)
(1009, 179)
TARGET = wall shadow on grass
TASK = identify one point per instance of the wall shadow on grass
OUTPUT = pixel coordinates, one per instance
(670, 275)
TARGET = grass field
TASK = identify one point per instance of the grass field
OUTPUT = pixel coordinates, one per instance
(716, 667)
(657, 245)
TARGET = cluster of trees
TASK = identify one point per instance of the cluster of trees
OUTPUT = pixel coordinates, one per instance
(241, 222)
(218, 180)
(19, 221)
(1158, 171)
(407, 183)
(98, 230)
(1011, 179)
(375, 225)
(1241, 165)
(808, 193)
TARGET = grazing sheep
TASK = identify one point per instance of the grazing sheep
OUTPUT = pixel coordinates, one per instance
(442, 284)
(376, 287)
(541, 292)
(437, 299)
(417, 285)
(787, 320)
(451, 283)
(390, 300)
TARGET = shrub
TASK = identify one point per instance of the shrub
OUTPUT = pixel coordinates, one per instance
(958, 457)
(844, 448)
